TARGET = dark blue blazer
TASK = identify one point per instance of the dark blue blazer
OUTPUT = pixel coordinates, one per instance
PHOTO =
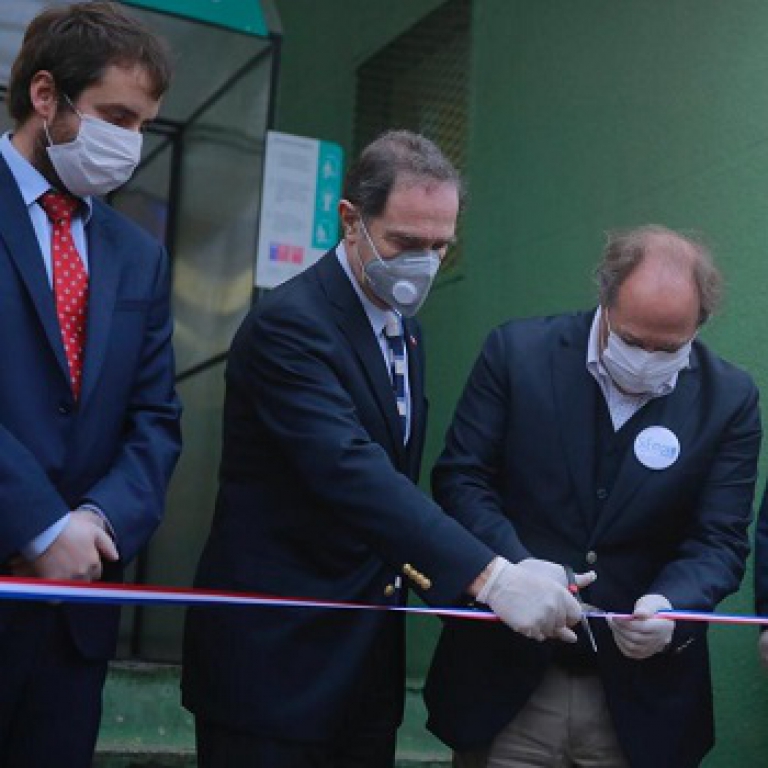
(116, 446)
(317, 499)
(518, 470)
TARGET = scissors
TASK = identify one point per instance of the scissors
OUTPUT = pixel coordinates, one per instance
(573, 588)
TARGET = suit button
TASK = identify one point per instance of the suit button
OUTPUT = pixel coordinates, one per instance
(602, 494)
(65, 409)
(591, 557)
(389, 590)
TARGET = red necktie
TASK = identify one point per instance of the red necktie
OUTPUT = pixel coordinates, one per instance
(70, 281)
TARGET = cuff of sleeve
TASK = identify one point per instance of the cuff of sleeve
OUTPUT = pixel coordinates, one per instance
(498, 565)
(40, 543)
(89, 507)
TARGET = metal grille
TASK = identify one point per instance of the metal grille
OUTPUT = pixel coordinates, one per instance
(419, 82)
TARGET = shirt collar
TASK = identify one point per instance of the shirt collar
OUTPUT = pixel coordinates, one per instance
(31, 183)
(377, 316)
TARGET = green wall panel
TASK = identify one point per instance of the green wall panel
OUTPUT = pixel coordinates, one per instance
(323, 44)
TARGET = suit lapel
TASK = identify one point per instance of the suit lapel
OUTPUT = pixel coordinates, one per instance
(21, 242)
(354, 323)
(575, 401)
(104, 269)
(672, 411)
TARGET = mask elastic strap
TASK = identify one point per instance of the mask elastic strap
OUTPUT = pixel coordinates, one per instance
(604, 312)
(74, 108)
(45, 122)
(357, 253)
(370, 241)
(607, 319)
(360, 262)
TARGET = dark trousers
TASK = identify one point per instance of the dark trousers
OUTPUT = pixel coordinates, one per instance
(366, 739)
(50, 697)
(221, 747)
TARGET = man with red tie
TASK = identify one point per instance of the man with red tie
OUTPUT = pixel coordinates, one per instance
(89, 430)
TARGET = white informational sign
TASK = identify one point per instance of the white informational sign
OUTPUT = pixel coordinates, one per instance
(299, 201)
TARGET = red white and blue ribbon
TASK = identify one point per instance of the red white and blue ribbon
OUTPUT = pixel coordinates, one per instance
(40, 590)
(12, 588)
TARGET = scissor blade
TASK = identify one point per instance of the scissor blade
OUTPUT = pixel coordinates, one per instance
(588, 631)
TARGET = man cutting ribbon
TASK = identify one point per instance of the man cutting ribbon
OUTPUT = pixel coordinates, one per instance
(612, 440)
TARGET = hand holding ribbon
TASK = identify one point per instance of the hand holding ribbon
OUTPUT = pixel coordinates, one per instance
(642, 634)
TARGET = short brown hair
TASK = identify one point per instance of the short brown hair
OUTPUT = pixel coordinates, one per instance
(626, 249)
(391, 158)
(76, 43)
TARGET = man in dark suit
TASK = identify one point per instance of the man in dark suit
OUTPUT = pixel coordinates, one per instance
(89, 428)
(613, 439)
(324, 424)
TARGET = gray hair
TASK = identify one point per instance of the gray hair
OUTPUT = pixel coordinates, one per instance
(392, 158)
(625, 250)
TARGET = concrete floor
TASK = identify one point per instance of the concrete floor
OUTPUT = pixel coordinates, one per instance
(144, 725)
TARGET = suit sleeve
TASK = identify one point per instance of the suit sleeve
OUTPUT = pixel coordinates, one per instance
(132, 493)
(286, 364)
(710, 560)
(466, 476)
(29, 503)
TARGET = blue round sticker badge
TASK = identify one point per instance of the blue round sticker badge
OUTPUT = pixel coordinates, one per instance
(657, 448)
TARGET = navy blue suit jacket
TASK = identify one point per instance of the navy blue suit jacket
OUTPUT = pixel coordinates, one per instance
(518, 470)
(317, 499)
(116, 446)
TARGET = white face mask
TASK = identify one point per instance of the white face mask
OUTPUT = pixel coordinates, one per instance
(639, 372)
(101, 158)
(403, 281)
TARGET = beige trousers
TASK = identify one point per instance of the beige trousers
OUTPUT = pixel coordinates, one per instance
(565, 723)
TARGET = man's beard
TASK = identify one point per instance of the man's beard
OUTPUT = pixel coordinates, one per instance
(59, 134)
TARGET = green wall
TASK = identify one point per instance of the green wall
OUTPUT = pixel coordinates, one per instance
(585, 116)
(324, 42)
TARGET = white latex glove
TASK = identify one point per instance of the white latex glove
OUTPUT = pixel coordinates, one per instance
(762, 647)
(642, 636)
(532, 605)
(549, 570)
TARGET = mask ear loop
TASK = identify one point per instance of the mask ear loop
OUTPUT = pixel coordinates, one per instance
(74, 108)
(607, 320)
(357, 256)
(606, 330)
(370, 241)
(363, 271)
(45, 122)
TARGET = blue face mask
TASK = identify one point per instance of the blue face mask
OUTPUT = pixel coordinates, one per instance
(403, 281)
